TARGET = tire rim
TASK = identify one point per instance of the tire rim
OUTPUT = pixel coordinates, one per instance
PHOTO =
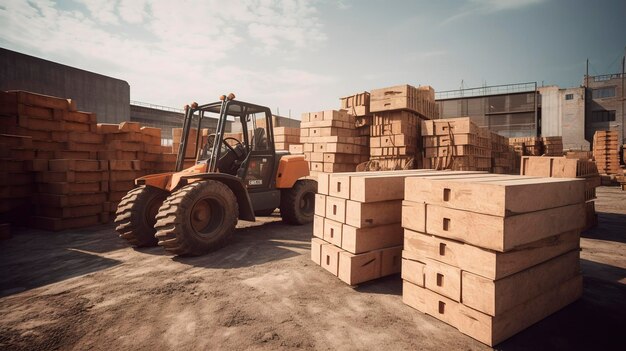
(207, 216)
(307, 202)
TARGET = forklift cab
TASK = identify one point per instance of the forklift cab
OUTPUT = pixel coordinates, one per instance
(251, 157)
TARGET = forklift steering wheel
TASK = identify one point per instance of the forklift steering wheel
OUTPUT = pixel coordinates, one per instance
(230, 147)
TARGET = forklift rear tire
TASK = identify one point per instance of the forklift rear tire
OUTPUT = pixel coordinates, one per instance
(197, 219)
(297, 205)
(136, 215)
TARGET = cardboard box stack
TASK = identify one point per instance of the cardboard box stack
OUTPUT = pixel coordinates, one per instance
(331, 142)
(397, 113)
(357, 223)
(489, 256)
(606, 151)
(457, 144)
(284, 137)
(552, 146)
(562, 167)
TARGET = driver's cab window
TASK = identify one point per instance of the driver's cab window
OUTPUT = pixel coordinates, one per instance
(257, 132)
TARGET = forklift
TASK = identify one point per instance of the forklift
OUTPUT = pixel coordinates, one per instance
(194, 211)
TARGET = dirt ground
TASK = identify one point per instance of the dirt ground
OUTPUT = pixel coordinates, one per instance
(87, 290)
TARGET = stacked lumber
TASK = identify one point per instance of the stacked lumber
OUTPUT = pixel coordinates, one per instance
(61, 169)
(16, 178)
(420, 100)
(331, 142)
(357, 105)
(606, 152)
(284, 137)
(579, 154)
(457, 144)
(563, 167)
(502, 154)
(552, 145)
(395, 140)
(488, 256)
(357, 225)
(71, 193)
(527, 146)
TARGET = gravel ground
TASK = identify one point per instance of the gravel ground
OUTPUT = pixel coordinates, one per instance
(87, 290)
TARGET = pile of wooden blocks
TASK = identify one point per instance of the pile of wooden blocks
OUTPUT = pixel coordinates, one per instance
(284, 137)
(332, 142)
(397, 113)
(488, 256)
(16, 178)
(63, 168)
(563, 167)
(71, 193)
(357, 225)
(606, 152)
(552, 145)
(527, 146)
(357, 105)
(502, 155)
(457, 144)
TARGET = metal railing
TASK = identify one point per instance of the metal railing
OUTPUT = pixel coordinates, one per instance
(605, 77)
(157, 107)
(487, 90)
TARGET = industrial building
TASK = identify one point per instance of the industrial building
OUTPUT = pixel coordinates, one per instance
(605, 107)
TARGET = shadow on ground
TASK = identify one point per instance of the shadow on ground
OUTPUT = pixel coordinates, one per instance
(254, 245)
(53, 257)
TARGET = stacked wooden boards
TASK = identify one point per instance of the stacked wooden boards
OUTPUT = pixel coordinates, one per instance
(486, 255)
(332, 142)
(16, 178)
(606, 151)
(552, 145)
(527, 146)
(562, 167)
(357, 105)
(395, 140)
(64, 170)
(420, 100)
(457, 144)
(357, 229)
(284, 137)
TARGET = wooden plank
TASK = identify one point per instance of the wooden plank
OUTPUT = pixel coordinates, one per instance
(371, 214)
(316, 250)
(497, 195)
(330, 258)
(359, 240)
(336, 209)
(488, 329)
(355, 269)
(391, 261)
(414, 216)
(496, 297)
(318, 226)
(413, 271)
(488, 263)
(332, 231)
(442, 278)
(320, 205)
(502, 233)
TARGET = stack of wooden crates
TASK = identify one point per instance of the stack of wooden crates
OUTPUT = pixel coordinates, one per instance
(332, 142)
(397, 113)
(457, 144)
(284, 137)
(552, 145)
(487, 255)
(63, 170)
(606, 151)
(357, 225)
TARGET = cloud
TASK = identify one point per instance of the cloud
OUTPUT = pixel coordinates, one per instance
(169, 51)
(481, 7)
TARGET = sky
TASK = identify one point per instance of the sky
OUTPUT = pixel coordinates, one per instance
(296, 56)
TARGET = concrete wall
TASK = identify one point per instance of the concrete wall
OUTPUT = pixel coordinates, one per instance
(563, 117)
(108, 97)
(615, 103)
